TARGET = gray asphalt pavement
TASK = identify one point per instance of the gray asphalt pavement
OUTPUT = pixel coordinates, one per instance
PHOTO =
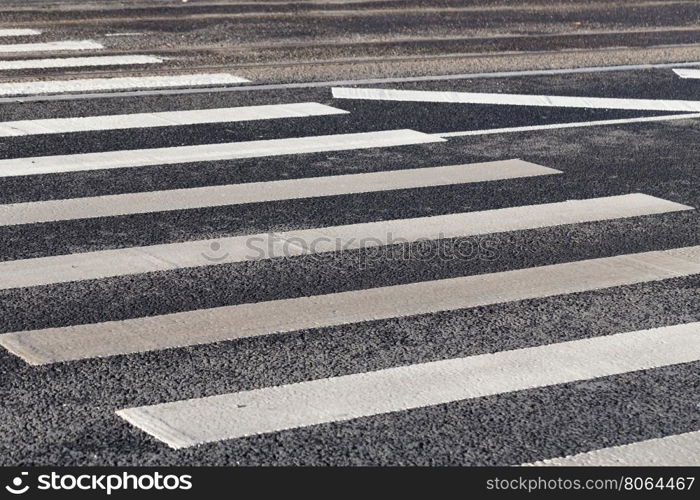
(64, 413)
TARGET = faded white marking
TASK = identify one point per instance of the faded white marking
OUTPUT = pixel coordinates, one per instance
(203, 326)
(681, 450)
(51, 46)
(75, 62)
(515, 99)
(165, 118)
(211, 152)
(228, 416)
(19, 32)
(121, 83)
(257, 192)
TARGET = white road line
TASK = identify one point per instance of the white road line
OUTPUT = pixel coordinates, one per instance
(212, 152)
(257, 192)
(554, 126)
(75, 62)
(228, 416)
(51, 46)
(122, 83)
(367, 81)
(681, 450)
(19, 32)
(169, 256)
(687, 73)
(166, 118)
(514, 99)
(203, 326)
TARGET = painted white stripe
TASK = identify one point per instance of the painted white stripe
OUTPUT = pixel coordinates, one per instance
(687, 73)
(514, 99)
(228, 416)
(19, 32)
(212, 152)
(136, 260)
(553, 126)
(74, 62)
(123, 83)
(681, 450)
(51, 46)
(165, 119)
(257, 192)
(203, 326)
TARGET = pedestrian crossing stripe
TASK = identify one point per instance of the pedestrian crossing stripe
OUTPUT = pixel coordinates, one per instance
(67, 45)
(76, 62)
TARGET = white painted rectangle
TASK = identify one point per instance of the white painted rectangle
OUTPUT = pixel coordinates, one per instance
(203, 326)
(170, 256)
(687, 73)
(681, 450)
(258, 192)
(19, 32)
(76, 62)
(211, 152)
(514, 99)
(121, 83)
(228, 416)
(67, 45)
(165, 119)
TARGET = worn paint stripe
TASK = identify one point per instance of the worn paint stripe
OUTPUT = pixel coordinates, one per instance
(75, 62)
(51, 46)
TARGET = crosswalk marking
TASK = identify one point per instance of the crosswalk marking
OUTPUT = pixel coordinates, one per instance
(137, 260)
(228, 416)
(19, 32)
(687, 73)
(514, 99)
(680, 450)
(257, 192)
(165, 118)
(74, 62)
(554, 126)
(120, 83)
(202, 326)
(212, 152)
(51, 46)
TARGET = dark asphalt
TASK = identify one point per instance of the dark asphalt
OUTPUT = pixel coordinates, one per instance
(64, 413)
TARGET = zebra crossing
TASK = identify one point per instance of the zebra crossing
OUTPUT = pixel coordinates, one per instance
(183, 423)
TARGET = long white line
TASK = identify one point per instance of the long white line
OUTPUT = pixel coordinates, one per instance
(169, 256)
(554, 126)
(51, 46)
(367, 81)
(687, 73)
(121, 83)
(680, 450)
(19, 32)
(228, 416)
(165, 118)
(514, 99)
(257, 192)
(75, 62)
(203, 326)
(212, 152)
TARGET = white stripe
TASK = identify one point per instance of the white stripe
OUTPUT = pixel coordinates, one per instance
(74, 62)
(687, 73)
(681, 450)
(52, 345)
(227, 416)
(123, 83)
(51, 46)
(514, 99)
(212, 152)
(137, 260)
(165, 119)
(553, 126)
(257, 192)
(19, 32)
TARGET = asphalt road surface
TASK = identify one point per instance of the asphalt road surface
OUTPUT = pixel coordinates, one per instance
(349, 232)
